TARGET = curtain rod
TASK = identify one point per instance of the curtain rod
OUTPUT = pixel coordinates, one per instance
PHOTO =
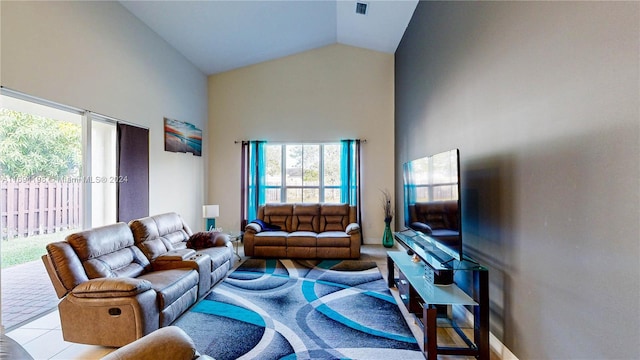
(299, 142)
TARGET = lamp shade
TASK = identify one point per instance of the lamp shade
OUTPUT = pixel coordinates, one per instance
(210, 211)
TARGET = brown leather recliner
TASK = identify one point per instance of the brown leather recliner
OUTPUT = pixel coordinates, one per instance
(169, 343)
(323, 231)
(110, 294)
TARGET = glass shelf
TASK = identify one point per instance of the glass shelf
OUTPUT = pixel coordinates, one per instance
(430, 293)
(427, 253)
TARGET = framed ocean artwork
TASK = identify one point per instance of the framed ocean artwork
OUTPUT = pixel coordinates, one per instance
(180, 136)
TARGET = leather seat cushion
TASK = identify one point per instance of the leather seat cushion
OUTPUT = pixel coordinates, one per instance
(171, 284)
(334, 238)
(271, 238)
(302, 238)
(219, 255)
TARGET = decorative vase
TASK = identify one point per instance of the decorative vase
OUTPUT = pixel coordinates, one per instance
(387, 237)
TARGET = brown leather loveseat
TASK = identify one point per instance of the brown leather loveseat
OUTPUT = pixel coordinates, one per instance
(325, 231)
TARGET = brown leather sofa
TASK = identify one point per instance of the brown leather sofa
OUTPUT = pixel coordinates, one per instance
(324, 231)
(112, 294)
(163, 238)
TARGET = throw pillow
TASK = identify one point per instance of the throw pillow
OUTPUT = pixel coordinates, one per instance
(266, 226)
(206, 239)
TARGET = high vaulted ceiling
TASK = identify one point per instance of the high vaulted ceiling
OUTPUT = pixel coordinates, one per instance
(221, 35)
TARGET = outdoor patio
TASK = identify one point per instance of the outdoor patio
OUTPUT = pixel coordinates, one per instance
(27, 293)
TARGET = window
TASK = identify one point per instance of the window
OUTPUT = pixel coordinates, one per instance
(302, 173)
(287, 173)
(58, 167)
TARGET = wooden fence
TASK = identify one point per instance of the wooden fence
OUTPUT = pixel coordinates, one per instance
(35, 208)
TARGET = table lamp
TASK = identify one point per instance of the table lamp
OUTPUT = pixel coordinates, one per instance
(210, 212)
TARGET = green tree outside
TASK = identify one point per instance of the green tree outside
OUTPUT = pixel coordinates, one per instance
(34, 146)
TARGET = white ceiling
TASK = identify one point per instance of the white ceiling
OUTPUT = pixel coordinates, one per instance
(221, 35)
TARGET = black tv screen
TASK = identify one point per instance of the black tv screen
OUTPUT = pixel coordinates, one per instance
(432, 201)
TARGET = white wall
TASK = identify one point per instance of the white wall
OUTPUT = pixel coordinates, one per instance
(543, 100)
(97, 56)
(328, 94)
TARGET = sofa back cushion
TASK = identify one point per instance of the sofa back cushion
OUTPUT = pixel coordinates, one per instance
(334, 217)
(306, 217)
(158, 234)
(278, 214)
(67, 266)
(108, 251)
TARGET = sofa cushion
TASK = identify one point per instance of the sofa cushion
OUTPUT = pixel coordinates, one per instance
(302, 238)
(127, 262)
(170, 225)
(279, 214)
(108, 251)
(145, 233)
(334, 217)
(334, 239)
(306, 217)
(171, 284)
(219, 255)
(102, 240)
(158, 234)
(66, 264)
(277, 238)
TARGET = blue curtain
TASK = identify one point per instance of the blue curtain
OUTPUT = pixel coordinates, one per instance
(256, 178)
(350, 176)
(349, 172)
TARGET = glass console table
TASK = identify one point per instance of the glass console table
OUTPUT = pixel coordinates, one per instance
(460, 310)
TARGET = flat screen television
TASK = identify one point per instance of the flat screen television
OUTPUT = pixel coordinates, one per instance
(432, 206)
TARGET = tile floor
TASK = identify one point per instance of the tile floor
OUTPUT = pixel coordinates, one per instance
(42, 338)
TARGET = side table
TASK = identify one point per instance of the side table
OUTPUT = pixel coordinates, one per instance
(235, 237)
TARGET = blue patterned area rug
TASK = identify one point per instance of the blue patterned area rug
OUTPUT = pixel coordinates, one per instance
(296, 309)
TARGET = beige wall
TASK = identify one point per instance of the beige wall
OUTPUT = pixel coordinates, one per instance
(97, 56)
(332, 93)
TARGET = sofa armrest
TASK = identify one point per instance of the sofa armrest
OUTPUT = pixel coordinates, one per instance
(111, 288)
(352, 228)
(176, 255)
(253, 228)
(422, 227)
(170, 343)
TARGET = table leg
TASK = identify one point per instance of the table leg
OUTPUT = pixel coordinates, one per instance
(390, 272)
(429, 314)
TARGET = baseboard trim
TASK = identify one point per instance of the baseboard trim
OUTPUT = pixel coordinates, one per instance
(495, 344)
(499, 349)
